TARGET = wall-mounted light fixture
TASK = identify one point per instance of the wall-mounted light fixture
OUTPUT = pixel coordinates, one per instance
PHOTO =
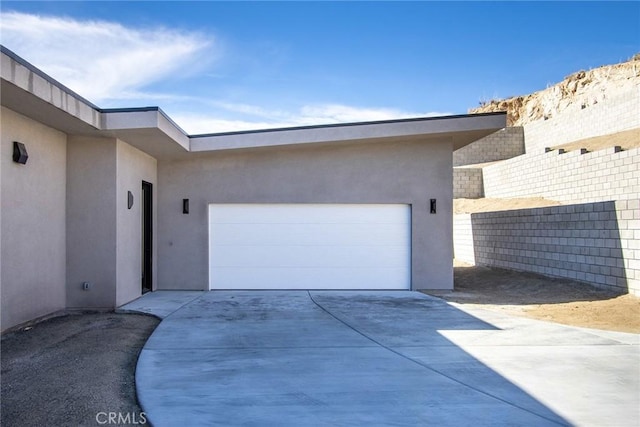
(20, 153)
(129, 199)
(185, 206)
(433, 206)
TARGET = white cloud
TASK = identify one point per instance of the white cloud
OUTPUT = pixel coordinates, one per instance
(336, 113)
(100, 60)
(198, 123)
(107, 62)
(251, 110)
(195, 124)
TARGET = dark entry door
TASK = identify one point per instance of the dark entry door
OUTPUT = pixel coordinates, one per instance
(147, 235)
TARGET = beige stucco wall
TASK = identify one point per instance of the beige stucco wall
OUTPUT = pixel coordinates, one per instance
(91, 222)
(390, 172)
(33, 220)
(134, 166)
(104, 236)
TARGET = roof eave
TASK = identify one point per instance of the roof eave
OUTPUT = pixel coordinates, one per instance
(461, 129)
(31, 92)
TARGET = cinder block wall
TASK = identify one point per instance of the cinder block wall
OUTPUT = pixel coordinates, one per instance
(463, 239)
(613, 115)
(571, 177)
(598, 243)
(467, 183)
(504, 144)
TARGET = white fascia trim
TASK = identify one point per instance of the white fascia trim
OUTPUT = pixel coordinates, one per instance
(348, 132)
(144, 119)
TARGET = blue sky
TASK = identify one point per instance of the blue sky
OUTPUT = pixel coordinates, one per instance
(224, 66)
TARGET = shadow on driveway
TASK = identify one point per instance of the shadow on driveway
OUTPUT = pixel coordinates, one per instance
(381, 358)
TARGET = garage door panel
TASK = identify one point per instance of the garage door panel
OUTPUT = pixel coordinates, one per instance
(310, 256)
(307, 234)
(307, 278)
(291, 213)
(309, 246)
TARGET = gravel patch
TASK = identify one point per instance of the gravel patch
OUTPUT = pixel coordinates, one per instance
(73, 370)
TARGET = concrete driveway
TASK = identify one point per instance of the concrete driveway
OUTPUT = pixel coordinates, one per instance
(335, 358)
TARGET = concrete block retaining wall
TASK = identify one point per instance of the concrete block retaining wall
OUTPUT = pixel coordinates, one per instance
(598, 243)
(463, 249)
(610, 116)
(467, 183)
(571, 177)
(504, 144)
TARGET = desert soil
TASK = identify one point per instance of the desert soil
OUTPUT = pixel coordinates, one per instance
(73, 370)
(535, 296)
(466, 206)
(583, 89)
(626, 140)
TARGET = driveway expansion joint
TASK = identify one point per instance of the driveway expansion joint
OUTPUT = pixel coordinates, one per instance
(374, 357)
(423, 365)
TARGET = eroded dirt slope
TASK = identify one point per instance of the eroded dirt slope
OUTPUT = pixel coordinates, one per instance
(583, 88)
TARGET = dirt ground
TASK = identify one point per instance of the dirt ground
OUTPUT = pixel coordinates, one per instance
(543, 298)
(465, 206)
(627, 140)
(73, 370)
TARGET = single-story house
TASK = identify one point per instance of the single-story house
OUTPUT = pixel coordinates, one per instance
(100, 205)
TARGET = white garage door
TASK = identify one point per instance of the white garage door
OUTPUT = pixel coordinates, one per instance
(309, 246)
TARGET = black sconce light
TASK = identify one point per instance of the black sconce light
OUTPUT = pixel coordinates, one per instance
(433, 206)
(129, 199)
(185, 206)
(20, 153)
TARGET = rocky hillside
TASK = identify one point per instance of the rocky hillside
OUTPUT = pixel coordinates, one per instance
(583, 88)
